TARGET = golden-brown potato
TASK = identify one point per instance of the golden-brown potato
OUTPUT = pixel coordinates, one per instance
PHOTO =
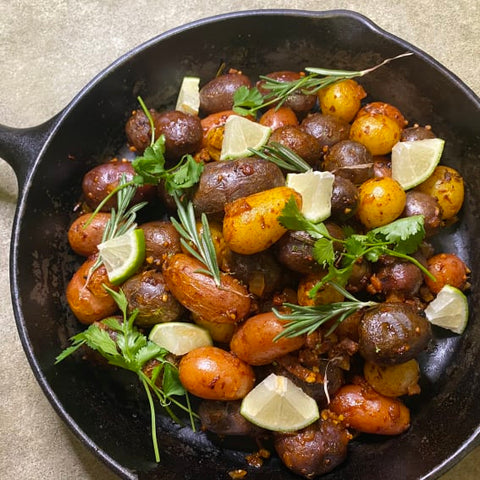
(214, 374)
(384, 108)
(254, 343)
(446, 185)
(378, 132)
(381, 201)
(326, 294)
(367, 411)
(341, 99)
(251, 223)
(393, 380)
(89, 301)
(447, 269)
(84, 240)
(214, 120)
(197, 291)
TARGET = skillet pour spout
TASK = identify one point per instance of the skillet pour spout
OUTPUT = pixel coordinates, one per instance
(105, 409)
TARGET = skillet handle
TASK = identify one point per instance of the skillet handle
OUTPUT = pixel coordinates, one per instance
(20, 147)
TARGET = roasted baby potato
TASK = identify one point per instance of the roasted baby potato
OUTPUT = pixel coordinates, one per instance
(251, 223)
(215, 374)
(84, 238)
(147, 293)
(197, 291)
(88, 300)
(223, 182)
(365, 410)
(254, 342)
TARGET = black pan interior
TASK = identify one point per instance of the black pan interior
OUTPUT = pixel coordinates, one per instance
(105, 408)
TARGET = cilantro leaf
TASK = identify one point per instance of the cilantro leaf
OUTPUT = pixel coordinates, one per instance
(148, 352)
(323, 251)
(151, 165)
(100, 340)
(293, 219)
(247, 100)
(399, 238)
(124, 346)
(406, 233)
(185, 175)
(171, 381)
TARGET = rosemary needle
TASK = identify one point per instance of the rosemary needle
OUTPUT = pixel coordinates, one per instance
(306, 319)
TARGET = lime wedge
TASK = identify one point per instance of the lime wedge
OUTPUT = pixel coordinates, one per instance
(180, 338)
(123, 255)
(278, 404)
(188, 100)
(413, 162)
(240, 135)
(449, 309)
(316, 191)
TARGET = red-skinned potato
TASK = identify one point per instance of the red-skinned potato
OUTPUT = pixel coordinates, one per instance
(215, 374)
(254, 343)
(84, 239)
(197, 291)
(367, 411)
(90, 302)
(448, 269)
(278, 117)
(251, 223)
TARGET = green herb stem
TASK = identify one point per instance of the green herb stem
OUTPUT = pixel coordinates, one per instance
(131, 350)
(249, 101)
(203, 248)
(304, 320)
(283, 157)
(153, 421)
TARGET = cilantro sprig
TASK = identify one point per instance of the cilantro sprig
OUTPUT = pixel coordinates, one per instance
(248, 101)
(398, 239)
(124, 346)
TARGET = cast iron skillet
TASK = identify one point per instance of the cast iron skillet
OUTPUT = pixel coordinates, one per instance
(105, 409)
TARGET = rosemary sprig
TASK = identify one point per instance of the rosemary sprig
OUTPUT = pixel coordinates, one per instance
(305, 320)
(129, 349)
(248, 101)
(203, 248)
(122, 219)
(283, 157)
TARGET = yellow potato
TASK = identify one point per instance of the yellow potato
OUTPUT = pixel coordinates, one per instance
(378, 132)
(381, 201)
(342, 99)
(393, 380)
(446, 185)
(251, 223)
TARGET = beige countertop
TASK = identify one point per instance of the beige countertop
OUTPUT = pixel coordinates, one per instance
(49, 49)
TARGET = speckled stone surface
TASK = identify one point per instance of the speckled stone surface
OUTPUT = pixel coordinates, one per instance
(49, 49)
